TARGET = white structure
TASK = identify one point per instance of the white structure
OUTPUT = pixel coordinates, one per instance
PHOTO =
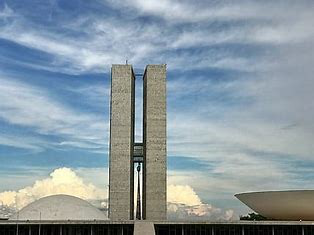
(59, 207)
(281, 205)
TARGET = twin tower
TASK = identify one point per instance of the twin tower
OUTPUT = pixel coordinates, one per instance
(124, 153)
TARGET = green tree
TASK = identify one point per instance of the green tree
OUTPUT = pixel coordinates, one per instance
(252, 216)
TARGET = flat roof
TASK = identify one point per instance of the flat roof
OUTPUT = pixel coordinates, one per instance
(239, 222)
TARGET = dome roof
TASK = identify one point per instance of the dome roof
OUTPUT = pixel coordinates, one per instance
(60, 207)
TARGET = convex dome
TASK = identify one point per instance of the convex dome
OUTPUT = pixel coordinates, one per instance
(59, 207)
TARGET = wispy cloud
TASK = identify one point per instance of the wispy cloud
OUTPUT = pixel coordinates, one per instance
(240, 83)
(29, 106)
(105, 40)
(184, 11)
(6, 12)
(32, 144)
(97, 95)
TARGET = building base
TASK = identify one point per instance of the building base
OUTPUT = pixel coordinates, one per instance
(161, 228)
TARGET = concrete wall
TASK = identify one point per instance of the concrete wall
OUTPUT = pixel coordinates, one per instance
(121, 177)
(144, 228)
(154, 136)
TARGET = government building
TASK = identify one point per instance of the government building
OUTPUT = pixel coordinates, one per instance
(145, 162)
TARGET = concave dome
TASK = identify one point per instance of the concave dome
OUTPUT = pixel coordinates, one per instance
(59, 207)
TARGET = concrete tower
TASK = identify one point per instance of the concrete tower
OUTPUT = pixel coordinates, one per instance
(121, 176)
(154, 142)
(124, 153)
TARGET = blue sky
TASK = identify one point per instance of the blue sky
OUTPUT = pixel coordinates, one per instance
(240, 90)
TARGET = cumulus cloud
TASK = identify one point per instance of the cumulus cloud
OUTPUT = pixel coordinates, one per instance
(184, 203)
(182, 194)
(61, 181)
(239, 140)
(201, 212)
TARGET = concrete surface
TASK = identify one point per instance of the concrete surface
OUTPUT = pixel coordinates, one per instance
(121, 168)
(155, 137)
(281, 205)
(144, 228)
(131, 222)
(121, 177)
(59, 207)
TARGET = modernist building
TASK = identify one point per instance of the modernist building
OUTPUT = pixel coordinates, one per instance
(124, 152)
(66, 215)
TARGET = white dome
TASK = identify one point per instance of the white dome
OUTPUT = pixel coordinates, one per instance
(60, 207)
(281, 205)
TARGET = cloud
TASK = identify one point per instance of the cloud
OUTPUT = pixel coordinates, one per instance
(250, 127)
(203, 212)
(61, 181)
(64, 52)
(251, 21)
(104, 40)
(96, 95)
(94, 51)
(6, 12)
(29, 106)
(184, 203)
(32, 144)
(239, 153)
(182, 194)
(184, 11)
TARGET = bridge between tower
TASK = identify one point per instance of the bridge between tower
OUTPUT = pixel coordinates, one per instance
(138, 153)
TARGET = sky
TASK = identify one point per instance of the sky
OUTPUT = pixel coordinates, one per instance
(239, 85)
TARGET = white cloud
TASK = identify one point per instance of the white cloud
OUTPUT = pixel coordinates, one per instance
(6, 12)
(94, 52)
(65, 52)
(184, 11)
(278, 118)
(61, 181)
(30, 106)
(203, 212)
(263, 13)
(246, 147)
(32, 144)
(184, 203)
(231, 135)
(240, 153)
(108, 40)
(182, 194)
(98, 94)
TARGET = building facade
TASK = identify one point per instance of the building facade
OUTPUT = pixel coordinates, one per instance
(124, 152)
(159, 228)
